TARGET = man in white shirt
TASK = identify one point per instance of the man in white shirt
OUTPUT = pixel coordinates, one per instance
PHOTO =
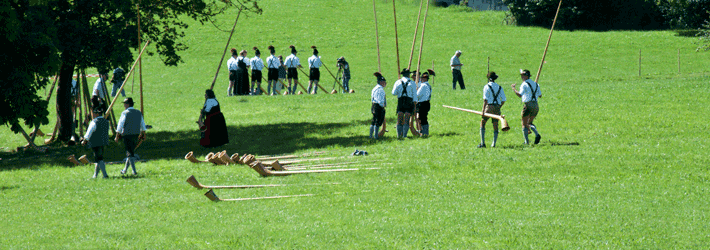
(406, 91)
(493, 100)
(131, 127)
(256, 66)
(529, 93)
(100, 85)
(379, 103)
(273, 64)
(314, 64)
(291, 62)
(232, 66)
(456, 70)
(423, 105)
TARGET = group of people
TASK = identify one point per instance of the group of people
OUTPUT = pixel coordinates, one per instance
(279, 70)
(131, 129)
(413, 97)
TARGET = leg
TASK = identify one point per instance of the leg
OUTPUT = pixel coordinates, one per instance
(315, 86)
(495, 132)
(346, 88)
(532, 127)
(526, 128)
(483, 133)
(407, 116)
(400, 124)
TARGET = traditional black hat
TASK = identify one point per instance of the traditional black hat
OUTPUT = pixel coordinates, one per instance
(379, 77)
(315, 51)
(405, 72)
(293, 49)
(272, 49)
(427, 73)
(128, 100)
(525, 72)
(492, 76)
(257, 51)
(234, 51)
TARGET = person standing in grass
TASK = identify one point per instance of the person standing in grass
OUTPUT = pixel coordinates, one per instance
(273, 65)
(379, 103)
(406, 91)
(529, 93)
(97, 135)
(131, 127)
(423, 105)
(456, 70)
(493, 100)
(256, 66)
(343, 65)
(283, 73)
(314, 64)
(119, 75)
(212, 123)
(242, 82)
(291, 64)
(232, 66)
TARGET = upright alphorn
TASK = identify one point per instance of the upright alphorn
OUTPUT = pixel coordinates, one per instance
(331, 74)
(539, 70)
(396, 37)
(416, 30)
(219, 66)
(127, 76)
(377, 37)
(213, 197)
(501, 118)
(419, 64)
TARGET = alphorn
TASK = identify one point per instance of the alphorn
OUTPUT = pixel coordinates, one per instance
(193, 181)
(213, 197)
(501, 118)
(261, 169)
(316, 83)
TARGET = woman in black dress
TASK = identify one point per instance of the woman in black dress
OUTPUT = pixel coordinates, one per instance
(212, 123)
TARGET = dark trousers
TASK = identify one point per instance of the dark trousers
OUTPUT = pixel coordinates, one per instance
(423, 109)
(378, 114)
(458, 77)
(98, 153)
(130, 142)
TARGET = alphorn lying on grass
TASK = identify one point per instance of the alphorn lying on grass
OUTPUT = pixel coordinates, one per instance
(213, 197)
(193, 181)
(261, 169)
(501, 118)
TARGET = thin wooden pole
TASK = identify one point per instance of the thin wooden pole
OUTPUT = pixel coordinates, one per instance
(140, 61)
(489, 65)
(225, 49)
(539, 70)
(377, 37)
(127, 76)
(421, 44)
(416, 30)
(396, 37)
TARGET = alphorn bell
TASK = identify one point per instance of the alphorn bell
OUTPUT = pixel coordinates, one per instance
(501, 118)
(72, 159)
(83, 159)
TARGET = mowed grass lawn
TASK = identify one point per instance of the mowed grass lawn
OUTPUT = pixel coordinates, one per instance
(622, 163)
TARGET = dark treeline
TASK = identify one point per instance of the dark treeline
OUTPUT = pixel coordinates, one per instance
(612, 14)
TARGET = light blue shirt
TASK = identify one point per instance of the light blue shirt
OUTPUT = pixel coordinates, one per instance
(378, 96)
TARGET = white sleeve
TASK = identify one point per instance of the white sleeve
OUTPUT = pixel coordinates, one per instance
(209, 104)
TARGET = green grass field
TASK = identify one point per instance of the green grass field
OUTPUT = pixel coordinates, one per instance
(621, 163)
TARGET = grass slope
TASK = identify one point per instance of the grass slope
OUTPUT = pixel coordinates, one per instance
(622, 163)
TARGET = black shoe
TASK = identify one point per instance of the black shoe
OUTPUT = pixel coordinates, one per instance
(482, 145)
(537, 139)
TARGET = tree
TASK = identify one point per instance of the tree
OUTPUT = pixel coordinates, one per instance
(80, 34)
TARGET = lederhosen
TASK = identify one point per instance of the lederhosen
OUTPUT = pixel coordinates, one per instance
(405, 104)
(233, 75)
(378, 113)
(292, 71)
(314, 74)
(256, 75)
(530, 108)
(493, 108)
(273, 74)
(242, 81)
(423, 109)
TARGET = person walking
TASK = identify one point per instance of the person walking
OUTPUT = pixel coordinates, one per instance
(273, 65)
(291, 63)
(256, 66)
(456, 70)
(96, 136)
(529, 93)
(314, 64)
(345, 67)
(406, 91)
(119, 75)
(493, 100)
(379, 103)
(423, 105)
(212, 123)
(232, 66)
(131, 128)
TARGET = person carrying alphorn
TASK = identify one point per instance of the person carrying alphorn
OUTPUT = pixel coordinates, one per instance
(493, 100)
(529, 93)
(405, 90)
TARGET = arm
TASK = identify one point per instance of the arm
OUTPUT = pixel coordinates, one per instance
(119, 127)
(483, 109)
(515, 90)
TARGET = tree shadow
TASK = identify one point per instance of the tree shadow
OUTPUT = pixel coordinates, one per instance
(262, 139)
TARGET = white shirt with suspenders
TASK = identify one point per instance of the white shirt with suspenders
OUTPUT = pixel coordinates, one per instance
(493, 93)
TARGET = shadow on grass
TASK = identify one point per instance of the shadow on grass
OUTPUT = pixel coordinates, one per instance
(263, 139)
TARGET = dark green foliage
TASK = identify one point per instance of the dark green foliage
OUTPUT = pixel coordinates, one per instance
(705, 36)
(685, 14)
(589, 15)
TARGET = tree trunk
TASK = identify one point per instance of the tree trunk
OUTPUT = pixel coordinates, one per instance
(64, 110)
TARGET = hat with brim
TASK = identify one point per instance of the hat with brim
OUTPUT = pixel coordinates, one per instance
(128, 100)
